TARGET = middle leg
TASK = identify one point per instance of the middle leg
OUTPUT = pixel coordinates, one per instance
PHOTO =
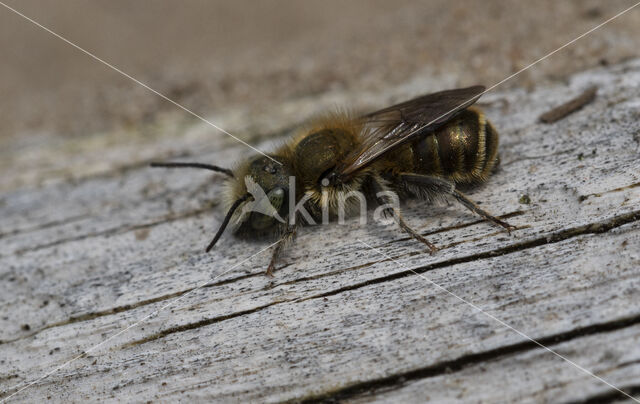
(378, 188)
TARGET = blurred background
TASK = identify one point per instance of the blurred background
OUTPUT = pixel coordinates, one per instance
(209, 55)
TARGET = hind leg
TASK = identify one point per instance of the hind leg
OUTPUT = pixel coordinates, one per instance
(472, 206)
(435, 184)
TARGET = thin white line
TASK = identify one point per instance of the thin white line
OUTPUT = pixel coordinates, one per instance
(501, 322)
(246, 144)
(171, 302)
(537, 61)
(135, 80)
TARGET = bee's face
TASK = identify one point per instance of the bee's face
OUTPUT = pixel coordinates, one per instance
(268, 183)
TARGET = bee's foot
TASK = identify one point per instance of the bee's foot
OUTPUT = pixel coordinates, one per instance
(507, 227)
(415, 235)
(432, 248)
(270, 270)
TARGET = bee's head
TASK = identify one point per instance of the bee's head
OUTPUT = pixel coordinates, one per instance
(265, 185)
(257, 196)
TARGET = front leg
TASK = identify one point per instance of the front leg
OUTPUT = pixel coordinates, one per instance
(438, 185)
(287, 236)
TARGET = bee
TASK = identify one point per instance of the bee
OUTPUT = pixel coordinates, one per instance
(421, 148)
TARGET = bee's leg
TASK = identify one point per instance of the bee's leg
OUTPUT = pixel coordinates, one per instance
(435, 184)
(287, 236)
(404, 226)
(469, 204)
(395, 213)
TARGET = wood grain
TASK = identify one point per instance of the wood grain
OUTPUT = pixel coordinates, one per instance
(83, 258)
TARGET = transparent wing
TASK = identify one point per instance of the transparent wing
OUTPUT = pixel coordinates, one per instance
(394, 126)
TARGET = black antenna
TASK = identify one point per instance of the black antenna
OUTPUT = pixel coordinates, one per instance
(195, 165)
(225, 222)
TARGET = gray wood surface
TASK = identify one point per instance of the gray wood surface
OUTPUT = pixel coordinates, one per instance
(94, 241)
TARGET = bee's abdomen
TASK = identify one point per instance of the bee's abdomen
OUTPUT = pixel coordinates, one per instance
(464, 150)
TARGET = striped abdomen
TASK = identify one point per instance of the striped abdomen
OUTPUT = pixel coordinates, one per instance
(465, 150)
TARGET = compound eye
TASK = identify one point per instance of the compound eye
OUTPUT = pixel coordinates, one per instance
(277, 193)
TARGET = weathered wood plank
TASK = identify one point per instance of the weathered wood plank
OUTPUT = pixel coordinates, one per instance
(116, 247)
(393, 326)
(547, 379)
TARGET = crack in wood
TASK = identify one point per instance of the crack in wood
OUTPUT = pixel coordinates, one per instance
(582, 198)
(126, 307)
(119, 170)
(114, 231)
(596, 270)
(119, 309)
(396, 381)
(560, 236)
(198, 324)
(593, 228)
(170, 218)
(610, 396)
(459, 226)
(53, 223)
(202, 150)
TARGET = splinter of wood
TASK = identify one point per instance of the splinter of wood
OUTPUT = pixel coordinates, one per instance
(569, 107)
